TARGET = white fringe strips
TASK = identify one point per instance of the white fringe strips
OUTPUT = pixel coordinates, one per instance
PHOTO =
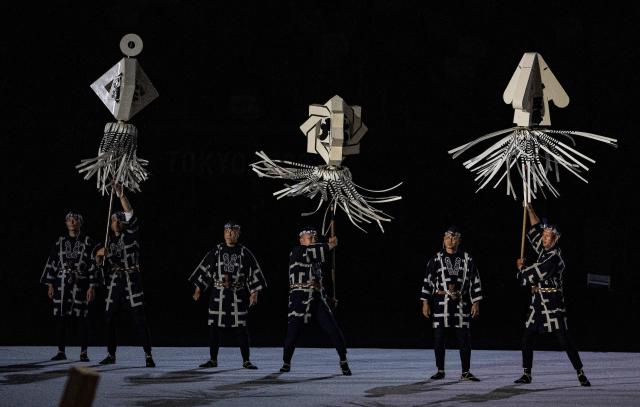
(332, 184)
(536, 153)
(117, 160)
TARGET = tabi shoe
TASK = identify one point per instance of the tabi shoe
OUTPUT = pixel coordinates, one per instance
(286, 367)
(248, 365)
(109, 360)
(210, 363)
(60, 356)
(469, 376)
(438, 376)
(583, 379)
(524, 379)
(344, 366)
(149, 360)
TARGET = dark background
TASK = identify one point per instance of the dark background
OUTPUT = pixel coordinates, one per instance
(238, 78)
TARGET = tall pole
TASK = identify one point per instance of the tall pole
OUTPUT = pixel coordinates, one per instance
(524, 228)
(333, 259)
(106, 234)
(525, 202)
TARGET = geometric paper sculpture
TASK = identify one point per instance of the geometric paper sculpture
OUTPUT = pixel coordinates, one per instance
(535, 151)
(333, 130)
(125, 90)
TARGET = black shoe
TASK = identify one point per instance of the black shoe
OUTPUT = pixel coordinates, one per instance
(109, 360)
(438, 376)
(149, 360)
(468, 376)
(344, 366)
(524, 379)
(84, 357)
(248, 365)
(286, 367)
(210, 363)
(60, 356)
(583, 379)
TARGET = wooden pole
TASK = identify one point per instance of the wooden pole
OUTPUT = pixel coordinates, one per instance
(524, 229)
(333, 260)
(106, 235)
(525, 203)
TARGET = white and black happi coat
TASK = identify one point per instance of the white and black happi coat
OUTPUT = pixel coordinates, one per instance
(233, 273)
(305, 279)
(457, 274)
(71, 270)
(547, 312)
(122, 276)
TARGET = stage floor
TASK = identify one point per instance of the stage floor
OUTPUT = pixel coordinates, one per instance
(381, 377)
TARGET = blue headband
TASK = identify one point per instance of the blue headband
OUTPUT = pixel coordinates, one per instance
(552, 228)
(232, 225)
(308, 231)
(453, 231)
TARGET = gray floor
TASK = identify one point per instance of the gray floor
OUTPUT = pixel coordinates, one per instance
(381, 377)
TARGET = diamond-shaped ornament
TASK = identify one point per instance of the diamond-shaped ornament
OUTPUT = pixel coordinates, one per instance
(125, 89)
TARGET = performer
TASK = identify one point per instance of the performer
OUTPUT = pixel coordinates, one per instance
(123, 278)
(307, 297)
(547, 311)
(235, 278)
(70, 275)
(452, 292)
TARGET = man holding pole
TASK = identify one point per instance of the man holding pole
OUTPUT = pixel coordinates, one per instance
(307, 298)
(123, 278)
(547, 311)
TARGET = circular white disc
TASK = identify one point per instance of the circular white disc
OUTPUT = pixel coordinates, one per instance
(131, 45)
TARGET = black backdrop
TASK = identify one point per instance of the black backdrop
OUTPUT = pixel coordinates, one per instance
(238, 78)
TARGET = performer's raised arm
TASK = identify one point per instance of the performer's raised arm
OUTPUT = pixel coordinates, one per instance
(534, 234)
(533, 217)
(126, 205)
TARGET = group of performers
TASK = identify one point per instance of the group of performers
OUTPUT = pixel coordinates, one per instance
(451, 295)
(76, 266)
(451, 291)
(235, 278)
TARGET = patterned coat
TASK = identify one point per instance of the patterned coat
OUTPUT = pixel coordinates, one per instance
(547, 311)
(122, 275)
(71, 270)
(232, 273)
(451, 284)
(305, 279)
